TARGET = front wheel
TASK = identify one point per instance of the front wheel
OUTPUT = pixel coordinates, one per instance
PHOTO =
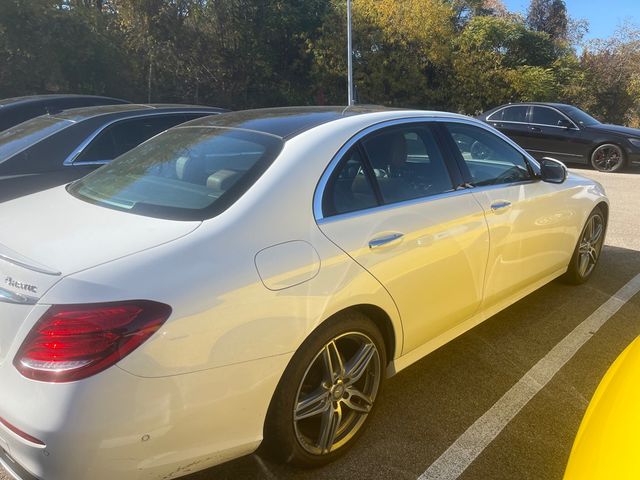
(327, 393)
(587, 252)
(608, 158)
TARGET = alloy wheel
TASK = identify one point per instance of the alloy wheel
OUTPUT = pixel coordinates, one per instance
(590, 245)
(607, 158)
(337, 393)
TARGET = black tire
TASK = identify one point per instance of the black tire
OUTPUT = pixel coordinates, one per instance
(285, 436)
(608, 158)
(577, 274)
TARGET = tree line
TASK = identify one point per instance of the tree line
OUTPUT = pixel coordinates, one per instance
(457, 55)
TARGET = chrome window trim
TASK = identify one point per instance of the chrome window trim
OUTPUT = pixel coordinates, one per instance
(392, 206)
(71, 159)
(504, 108)
(326, 175)
(575, 127)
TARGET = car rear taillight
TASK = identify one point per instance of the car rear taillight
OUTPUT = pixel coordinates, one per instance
(72, 342)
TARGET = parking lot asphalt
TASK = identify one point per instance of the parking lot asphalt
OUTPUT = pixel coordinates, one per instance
(428, 406)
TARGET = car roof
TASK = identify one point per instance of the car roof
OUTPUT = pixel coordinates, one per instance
(542, 104)
(13, 101)
(284, 122)
(85, 113)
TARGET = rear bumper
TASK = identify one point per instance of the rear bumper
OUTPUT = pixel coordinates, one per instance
(13, 468)
(119, 426)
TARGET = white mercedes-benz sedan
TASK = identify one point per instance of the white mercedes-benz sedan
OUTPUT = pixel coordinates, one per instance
(252, 278)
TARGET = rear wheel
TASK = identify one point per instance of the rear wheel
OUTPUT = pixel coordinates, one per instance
(587, 253)
(327, 393)
(608, 158)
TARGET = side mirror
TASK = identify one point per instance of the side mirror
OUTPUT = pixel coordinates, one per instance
(552, 170)
(564, 123)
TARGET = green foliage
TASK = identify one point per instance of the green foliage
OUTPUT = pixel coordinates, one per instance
(460, 55)
(549, 16)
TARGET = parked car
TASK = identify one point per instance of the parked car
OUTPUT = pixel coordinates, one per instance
(567, 133)
(52, 150)
(607, 443)
(256, 275)
(20, 109)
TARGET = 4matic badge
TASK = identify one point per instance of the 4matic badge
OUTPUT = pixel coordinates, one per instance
(20, 286)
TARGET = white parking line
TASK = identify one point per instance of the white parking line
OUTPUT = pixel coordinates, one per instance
(455, 460)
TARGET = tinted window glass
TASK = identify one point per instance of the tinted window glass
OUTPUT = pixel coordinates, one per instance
(546, 116)
(515, 114)
(350, 188)
(491, 161)
(26, 134)
(407, 163)
(186, 173)
(579, 116)
(125, 135)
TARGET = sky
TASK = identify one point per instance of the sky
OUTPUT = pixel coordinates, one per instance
(604, 16)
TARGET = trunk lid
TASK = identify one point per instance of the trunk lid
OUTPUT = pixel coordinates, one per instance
(52, 234)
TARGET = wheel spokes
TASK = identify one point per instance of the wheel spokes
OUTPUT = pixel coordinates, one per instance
(330, 424)
(583, 266)
(358, 401)
(358, 364)
(334, 367)
(337, 392)
(316, 403)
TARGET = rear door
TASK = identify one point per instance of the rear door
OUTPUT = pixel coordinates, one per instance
(530, 221)
(392, 205)
(513, 121)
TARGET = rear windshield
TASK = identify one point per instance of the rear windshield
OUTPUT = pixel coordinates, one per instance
(188, 173)
(25, 134)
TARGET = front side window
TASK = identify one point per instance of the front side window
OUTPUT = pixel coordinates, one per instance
(489, 159)
(407, 163)
(547, 116)
(188, 173)
(122, 136)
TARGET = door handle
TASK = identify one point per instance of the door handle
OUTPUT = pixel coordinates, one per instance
(535, 129)
(387, 240)
(500, 205)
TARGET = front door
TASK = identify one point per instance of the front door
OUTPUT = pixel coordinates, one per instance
(530, 223)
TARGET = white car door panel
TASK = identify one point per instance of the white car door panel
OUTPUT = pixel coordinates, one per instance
(531, 238)
(531, 222)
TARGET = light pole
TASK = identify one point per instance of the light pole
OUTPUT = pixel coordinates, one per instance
(349, 55)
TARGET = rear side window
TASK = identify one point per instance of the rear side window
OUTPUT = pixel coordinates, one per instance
(122, 136)
(189, 173)
(350, 188)
(407, 163)
(514, 114)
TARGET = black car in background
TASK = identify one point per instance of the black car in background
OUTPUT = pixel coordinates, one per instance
(52, 150)
(566, 133)
(20, 109)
